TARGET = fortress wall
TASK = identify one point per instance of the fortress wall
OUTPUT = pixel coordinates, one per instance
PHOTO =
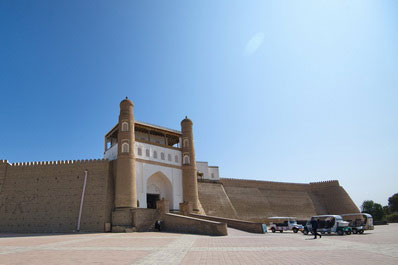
(257, 200)
(215, 201)
(289, 203)
(45, 196)
(264, 184)
(249, 203)
(333, 198)
(3, 170)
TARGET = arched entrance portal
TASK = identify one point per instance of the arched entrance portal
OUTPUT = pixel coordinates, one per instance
(158, 187)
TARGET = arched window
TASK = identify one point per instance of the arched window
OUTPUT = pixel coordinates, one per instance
(139, 151)
(125, 147)
(169, 157)
(125, 126)
(147, 152)
(186, 142)
(186, 160)
(155, 154)
(162, 155)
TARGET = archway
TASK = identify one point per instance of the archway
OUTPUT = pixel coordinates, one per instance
(158, 187)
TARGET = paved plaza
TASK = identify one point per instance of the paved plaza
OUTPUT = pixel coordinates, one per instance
(376, 247)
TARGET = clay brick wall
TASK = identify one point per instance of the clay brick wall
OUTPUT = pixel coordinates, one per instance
(257, 200)
(333, 197)
(215, 201)
(45, 196)
(3, 171)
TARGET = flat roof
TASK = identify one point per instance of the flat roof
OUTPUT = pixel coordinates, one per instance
(157, 127)
(353, 214)
(327, 215)
(148, 125)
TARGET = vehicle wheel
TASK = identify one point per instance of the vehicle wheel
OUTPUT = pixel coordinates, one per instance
(295, 230)
(329, 233)
(305, 232)
(281, 231)
(348, 232)
(354, 231)
(322, 232)
(273, 230)
(361, 231)
(340, 232)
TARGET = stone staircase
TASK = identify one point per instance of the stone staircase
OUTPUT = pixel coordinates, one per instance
(138, 219)
(144, 219)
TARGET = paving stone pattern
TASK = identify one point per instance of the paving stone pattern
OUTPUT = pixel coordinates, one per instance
(375, 247)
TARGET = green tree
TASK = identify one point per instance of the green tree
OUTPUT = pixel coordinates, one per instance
(367, 206)
(378, 212)
(386, 210)
(393, 203)
(375, 209)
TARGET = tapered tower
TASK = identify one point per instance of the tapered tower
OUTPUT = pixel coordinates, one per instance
(125, 182)
(189, 178)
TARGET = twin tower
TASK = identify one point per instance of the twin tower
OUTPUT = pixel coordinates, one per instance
(125, 181)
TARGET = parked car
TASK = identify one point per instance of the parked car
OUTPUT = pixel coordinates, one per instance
(284, 224)
(359, 222)
(329, 224)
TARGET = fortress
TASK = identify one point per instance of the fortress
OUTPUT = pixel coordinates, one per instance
(148, 171)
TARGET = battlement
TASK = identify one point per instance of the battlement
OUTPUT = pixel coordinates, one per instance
(326, 183)
(264, 184)
(260, 181)
(51, 163)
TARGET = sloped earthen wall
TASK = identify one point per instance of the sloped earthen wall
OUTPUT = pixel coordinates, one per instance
(45, 196)
(333, 198)
(258, 200)
(215, 201)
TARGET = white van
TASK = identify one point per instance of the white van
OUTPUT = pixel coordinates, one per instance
(281, 224)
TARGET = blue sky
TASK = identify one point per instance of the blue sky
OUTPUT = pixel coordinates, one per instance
(292, 91)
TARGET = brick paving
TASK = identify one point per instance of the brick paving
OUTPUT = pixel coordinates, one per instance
(375, 247)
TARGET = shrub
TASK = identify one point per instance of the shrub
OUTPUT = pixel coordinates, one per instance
(393, 218)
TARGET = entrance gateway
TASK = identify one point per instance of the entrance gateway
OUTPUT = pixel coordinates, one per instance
(151, 200)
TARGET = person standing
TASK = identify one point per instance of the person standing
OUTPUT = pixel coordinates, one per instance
(314, 224)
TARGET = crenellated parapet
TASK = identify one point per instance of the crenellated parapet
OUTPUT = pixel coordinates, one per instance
(327, 183)
(52, 163)
(264, 184)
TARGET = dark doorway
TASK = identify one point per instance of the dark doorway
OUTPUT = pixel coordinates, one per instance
(151, 200)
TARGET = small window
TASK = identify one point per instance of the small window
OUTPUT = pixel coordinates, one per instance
(186, 142)
(162, 156)
(176, 158)
(125, 126)
(147, 152)
(139, 151)
(125, 147)
(186, 160)
(155, 154)
(169, 157)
